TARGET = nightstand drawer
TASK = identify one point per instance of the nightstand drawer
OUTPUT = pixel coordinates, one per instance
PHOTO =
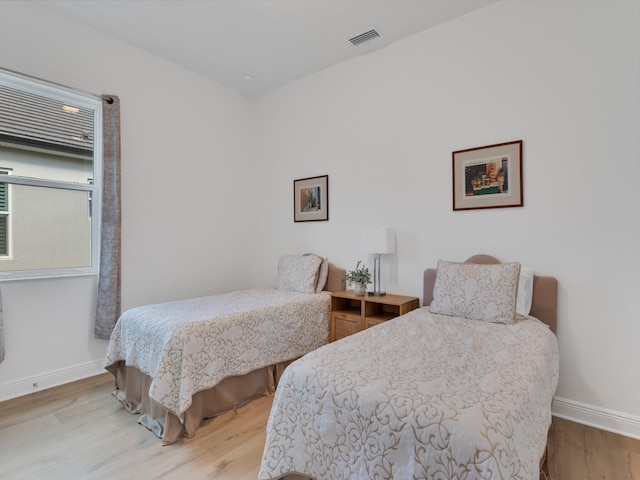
(372, 322)
(344, 324)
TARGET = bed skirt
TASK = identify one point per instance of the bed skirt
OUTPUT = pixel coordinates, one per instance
(132, 389)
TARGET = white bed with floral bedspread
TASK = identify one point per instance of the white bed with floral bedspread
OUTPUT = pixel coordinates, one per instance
(180, 362)
(425, 395)
(190, 345)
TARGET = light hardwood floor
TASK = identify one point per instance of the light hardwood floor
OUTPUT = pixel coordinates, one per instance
(79, 431)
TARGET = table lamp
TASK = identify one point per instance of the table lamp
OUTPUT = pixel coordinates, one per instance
(377, 241)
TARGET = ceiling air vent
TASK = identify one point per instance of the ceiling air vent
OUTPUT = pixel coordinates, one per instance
(363, 37)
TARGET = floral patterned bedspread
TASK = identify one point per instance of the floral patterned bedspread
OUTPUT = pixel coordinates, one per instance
(422, 396)
(190, 345)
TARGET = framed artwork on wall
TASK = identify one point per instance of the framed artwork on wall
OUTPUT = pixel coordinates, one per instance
(488, 177)
(311, 199)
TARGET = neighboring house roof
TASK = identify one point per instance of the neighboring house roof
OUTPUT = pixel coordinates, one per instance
(33, 122)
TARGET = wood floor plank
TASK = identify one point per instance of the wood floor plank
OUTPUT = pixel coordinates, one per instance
(580, 452)
(80, 431)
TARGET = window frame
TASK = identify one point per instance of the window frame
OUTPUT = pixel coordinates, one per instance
(94, 189)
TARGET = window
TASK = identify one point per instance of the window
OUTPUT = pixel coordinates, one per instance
(50, 167)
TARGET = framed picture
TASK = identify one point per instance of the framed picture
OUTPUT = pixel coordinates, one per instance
(311, 199)
(488, 177)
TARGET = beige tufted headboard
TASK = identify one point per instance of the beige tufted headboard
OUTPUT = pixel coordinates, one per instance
(545, 292)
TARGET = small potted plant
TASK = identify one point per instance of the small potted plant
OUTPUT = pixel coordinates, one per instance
(358, 278)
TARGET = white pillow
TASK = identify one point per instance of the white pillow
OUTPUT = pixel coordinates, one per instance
(525, 291)
(478, 292)
(298, 273)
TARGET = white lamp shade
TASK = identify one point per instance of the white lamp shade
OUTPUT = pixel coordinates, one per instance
(378, 240)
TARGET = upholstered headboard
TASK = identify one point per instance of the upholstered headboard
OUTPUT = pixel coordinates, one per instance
(335, 279)
(544, 305)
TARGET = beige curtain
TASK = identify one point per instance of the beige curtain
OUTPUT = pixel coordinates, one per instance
(108, 307)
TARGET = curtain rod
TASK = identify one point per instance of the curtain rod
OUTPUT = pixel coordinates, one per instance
(38, 79)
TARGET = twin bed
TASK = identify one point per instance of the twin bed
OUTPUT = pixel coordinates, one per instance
(179, 363)
(460, 388)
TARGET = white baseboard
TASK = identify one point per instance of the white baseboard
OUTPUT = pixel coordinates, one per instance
(28, 385)
(602, 418)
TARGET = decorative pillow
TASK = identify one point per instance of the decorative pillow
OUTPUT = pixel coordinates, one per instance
(525, 291)
(323, 272)
(477, 292)
(298, 273)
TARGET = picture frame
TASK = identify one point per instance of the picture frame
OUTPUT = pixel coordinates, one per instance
(311, 199)
(488, 177)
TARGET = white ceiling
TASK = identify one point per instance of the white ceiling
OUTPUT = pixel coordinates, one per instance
(274, 41)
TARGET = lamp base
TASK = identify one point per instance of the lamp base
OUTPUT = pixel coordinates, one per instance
(376, 276)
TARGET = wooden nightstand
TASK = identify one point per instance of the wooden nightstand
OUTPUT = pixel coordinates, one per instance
(351, 314)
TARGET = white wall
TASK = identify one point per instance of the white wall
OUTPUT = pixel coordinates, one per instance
(184, 159)
(563, 77)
